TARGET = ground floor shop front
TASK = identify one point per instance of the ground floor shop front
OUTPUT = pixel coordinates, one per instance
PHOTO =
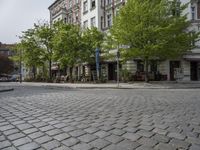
(133, 70)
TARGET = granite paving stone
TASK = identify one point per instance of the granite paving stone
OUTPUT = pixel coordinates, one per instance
(21, 141)
(4, 144)
(61, 136)
(10, 148)
(87, 138)
(195, 147)
(71, 141)
(114, 138)
(132, 136)
(51, 145)
(36, 135)
(77, 133)
(102, 134)
(41, 118)
(117, 132)
(161, 138)
(163, 146)
(147, 142)
(15, 136)
(128, 144)
(179, 144)
(31, 130)
(29, 146)
(62, 148)
(176, 135)
(82, 146)
(99, 143)
(43, 139)
(145, 133)
(53, 132)
(91, 130)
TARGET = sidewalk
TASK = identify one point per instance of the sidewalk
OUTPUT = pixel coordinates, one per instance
(6, 89)
(136, 85)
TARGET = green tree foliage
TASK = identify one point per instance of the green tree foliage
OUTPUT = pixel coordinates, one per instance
(45, 35)
(153, 29)
(67, 44)
(73, 45)
(29, 51)
(91, 39)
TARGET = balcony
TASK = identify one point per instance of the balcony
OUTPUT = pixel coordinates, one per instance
(59, 11)
(115, 4)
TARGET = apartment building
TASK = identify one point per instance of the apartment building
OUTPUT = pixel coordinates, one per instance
(73, 11)
(191, 61)
(58, 11)
(67, 10)
(100, 14)
(186, 68)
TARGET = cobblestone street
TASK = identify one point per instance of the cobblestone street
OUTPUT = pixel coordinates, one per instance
(96, 119)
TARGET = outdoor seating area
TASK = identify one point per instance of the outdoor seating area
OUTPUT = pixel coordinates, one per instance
(140, 76)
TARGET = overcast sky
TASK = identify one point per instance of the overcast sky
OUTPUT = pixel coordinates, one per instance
(19, 15)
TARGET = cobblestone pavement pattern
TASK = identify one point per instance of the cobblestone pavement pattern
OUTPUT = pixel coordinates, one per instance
(45, 119)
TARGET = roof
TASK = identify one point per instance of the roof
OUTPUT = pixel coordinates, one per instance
(53, 3)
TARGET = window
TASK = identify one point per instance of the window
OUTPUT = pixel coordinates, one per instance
(77, 17)
(70, 19)
(70, 3)
(93, 22)
(85, 24)
(140, 66)
(109, 2)
(153, 66)
(109, 20)
(193, 41)
(198, 10)
(176, 8)
(102, 3)
(102, 22)
(85, 6)
(193, 13)
(93, 4)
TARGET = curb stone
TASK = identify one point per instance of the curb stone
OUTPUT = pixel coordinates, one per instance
(6, 90)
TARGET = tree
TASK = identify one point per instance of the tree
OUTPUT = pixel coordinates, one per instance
(6, 65)
(67, 44)
(44, 35)
(29, 51)
(153, 29)
(91, 39)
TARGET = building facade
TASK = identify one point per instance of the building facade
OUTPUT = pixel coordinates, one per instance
(101, 13)
(58, 11)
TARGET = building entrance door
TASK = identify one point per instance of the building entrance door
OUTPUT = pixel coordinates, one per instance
(194, 71)
(112, 74)
(173, 65)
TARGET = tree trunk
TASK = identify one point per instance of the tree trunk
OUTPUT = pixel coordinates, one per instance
(50, 74)
(70, 74)
(146, 70)
(34, 72)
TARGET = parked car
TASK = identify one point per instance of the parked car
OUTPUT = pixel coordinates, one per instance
(4, 79)
(14, 78)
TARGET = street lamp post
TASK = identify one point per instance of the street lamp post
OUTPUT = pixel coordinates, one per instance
(20, 66)
(118, 72)
(97, 63)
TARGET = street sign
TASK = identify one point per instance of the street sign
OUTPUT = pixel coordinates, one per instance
(97, 54)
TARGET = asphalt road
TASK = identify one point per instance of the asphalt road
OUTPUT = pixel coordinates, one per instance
(72, 119)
